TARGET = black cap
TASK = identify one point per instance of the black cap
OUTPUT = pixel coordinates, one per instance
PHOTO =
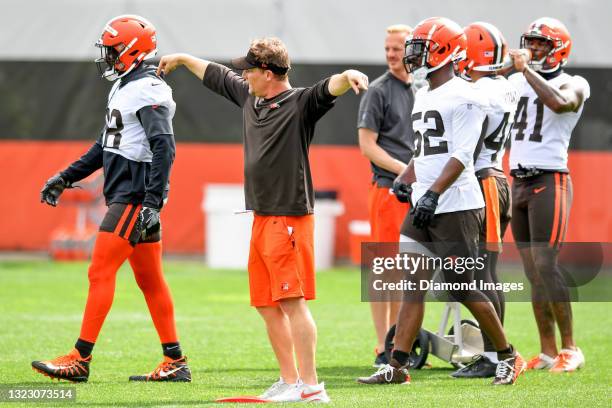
(251, 61)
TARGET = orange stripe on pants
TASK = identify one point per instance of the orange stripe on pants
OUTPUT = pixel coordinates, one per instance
(492, 225)
(128, 232)
(122, 219)
(563, 207)
(555, 228)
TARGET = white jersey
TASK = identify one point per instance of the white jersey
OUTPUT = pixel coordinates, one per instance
(502, 98)
(540, 137)
(447, 122)
(124, 134)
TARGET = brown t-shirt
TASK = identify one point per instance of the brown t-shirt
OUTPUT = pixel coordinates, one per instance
(277, 133)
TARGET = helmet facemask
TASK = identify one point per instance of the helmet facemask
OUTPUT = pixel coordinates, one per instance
(109, 65)
(416, 54)
(541, 65)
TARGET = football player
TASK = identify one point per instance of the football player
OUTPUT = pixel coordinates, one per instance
(448, 212)
(487, 53)
(136, 149)
(551, 102)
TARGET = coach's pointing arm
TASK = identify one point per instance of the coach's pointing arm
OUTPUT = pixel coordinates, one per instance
(169, 63)
(216, 77)
(340, 83)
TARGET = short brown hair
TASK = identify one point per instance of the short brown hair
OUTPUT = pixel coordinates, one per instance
(271, 50)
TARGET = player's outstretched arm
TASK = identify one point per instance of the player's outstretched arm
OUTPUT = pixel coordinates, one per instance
(349, 79)
(86, 165)
(568, 98)
(169, 63)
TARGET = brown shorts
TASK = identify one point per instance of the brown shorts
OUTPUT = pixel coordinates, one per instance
(449, 234)
(281, 259)
(386, 214)
(498, 205)
(540, 208)
(120, 219)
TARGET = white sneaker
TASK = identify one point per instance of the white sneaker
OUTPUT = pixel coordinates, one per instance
(540, 362)
(301, 392)
(314, 393)
(275, 389)
(568, 360)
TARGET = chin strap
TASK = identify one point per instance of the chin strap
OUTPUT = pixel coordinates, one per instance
(112, 75)
(551, 74)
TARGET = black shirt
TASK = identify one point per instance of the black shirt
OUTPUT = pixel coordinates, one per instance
(386, 109)
(277, 133)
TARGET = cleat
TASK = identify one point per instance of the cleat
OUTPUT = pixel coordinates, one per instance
(568, 361)
(480, 367)
(301, 392)
(381, 360)
(540, 362)
(275, 389)
(168, 370)
(71, 367)
(509, 370)
(387, 374)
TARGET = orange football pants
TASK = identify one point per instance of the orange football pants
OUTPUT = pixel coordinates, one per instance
(110, 251)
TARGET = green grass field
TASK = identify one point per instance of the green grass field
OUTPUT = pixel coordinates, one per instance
(41, 304)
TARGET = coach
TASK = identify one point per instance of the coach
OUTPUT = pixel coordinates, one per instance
(278, 127)
(386, 139)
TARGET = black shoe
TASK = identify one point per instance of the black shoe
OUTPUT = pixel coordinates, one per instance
(479, 367)
(167, 370)
(509, 370)
(71, 367)
(381, 360)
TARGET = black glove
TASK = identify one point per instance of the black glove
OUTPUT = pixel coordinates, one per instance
(425, 209)
(148, 222)
(402, 191)
(54, 187)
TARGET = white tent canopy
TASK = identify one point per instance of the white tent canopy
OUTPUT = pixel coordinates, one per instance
(333, 31)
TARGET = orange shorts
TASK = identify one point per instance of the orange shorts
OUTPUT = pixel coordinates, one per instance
(281, 259)
(386, 214)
